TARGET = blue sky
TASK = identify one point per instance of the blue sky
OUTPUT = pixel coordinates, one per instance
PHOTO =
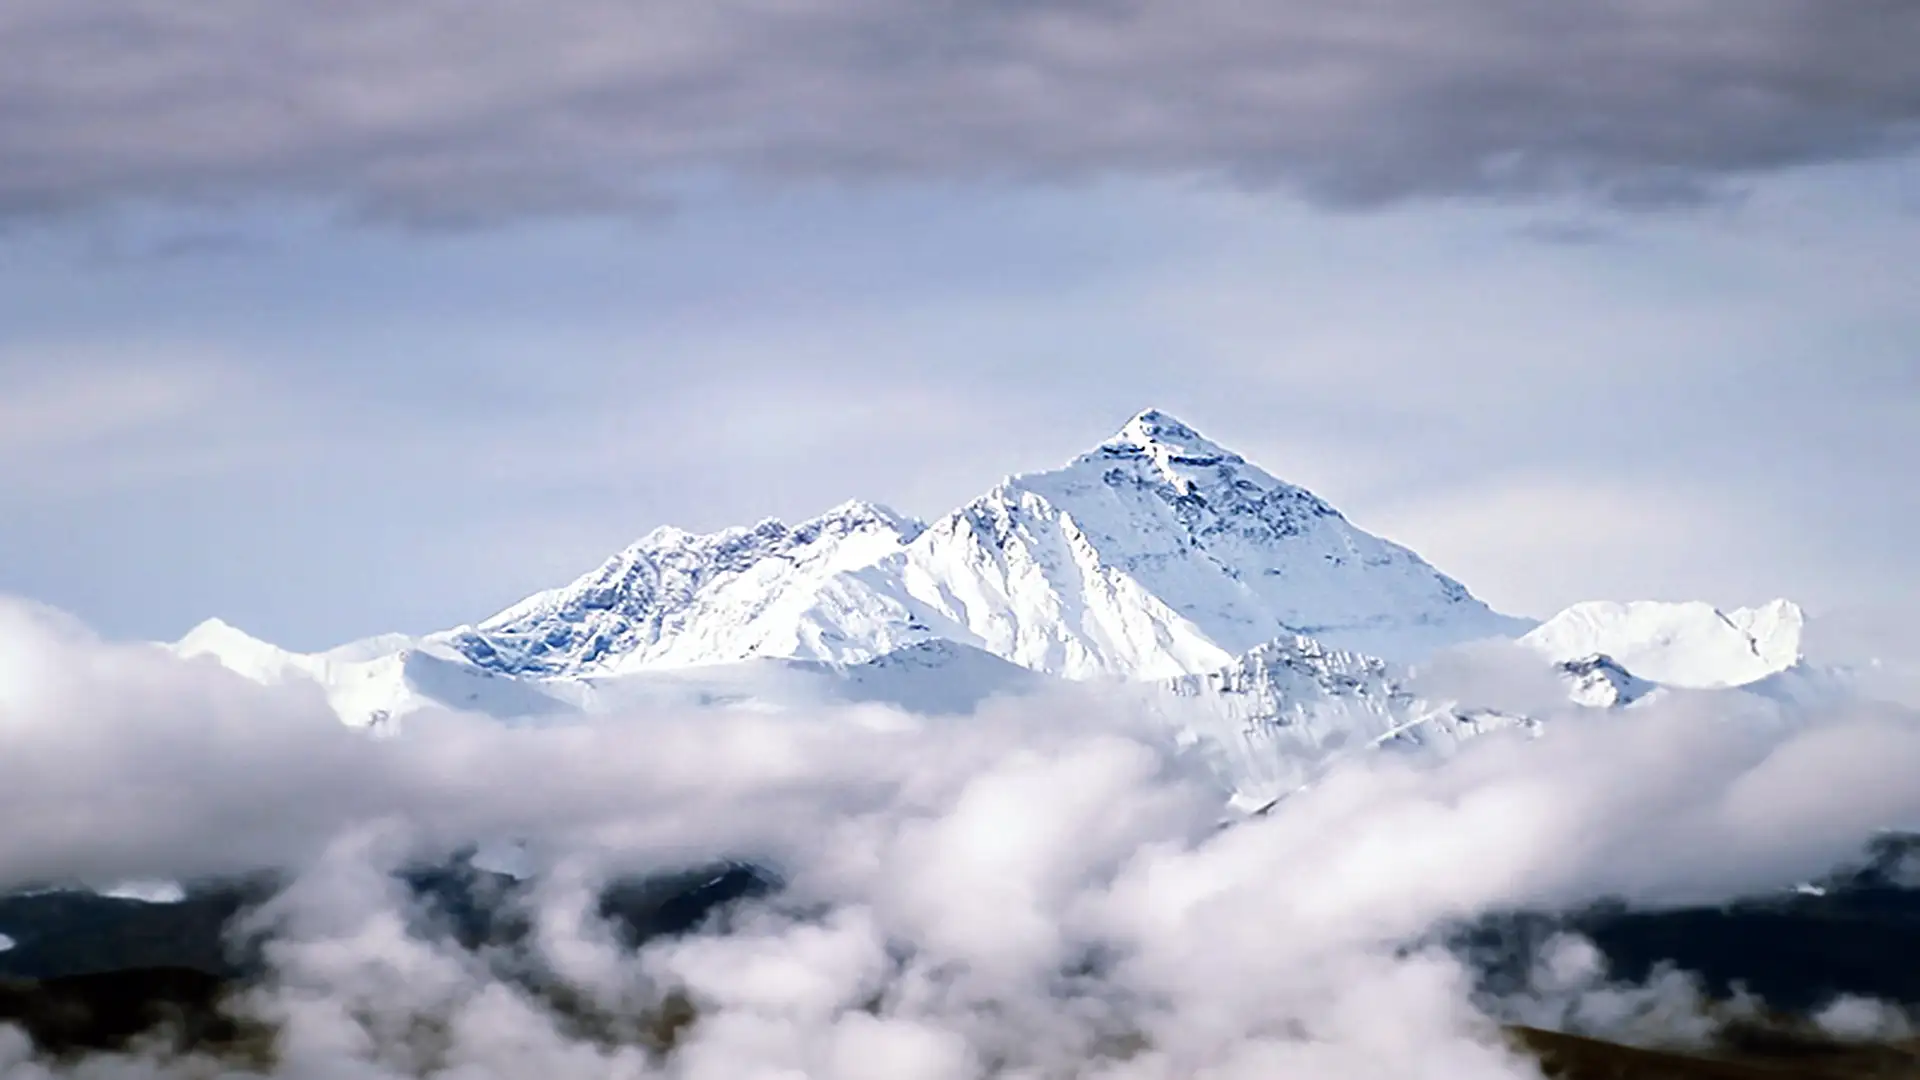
(308, 403)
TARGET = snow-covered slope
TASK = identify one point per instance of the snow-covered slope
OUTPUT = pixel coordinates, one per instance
(675, 599)
(1270, 719)
(932, 678)
(371, 682)
(1155, 554)
(1598, 681)
(936, 678)
(1810, 685)
(1160, 553)
(245, 654)
(1280, 715)
(1690, 644)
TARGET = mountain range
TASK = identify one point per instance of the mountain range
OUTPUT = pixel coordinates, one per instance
(1271, 632)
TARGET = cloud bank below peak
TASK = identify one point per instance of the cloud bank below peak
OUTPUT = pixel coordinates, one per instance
(912, 908)
(440, 112)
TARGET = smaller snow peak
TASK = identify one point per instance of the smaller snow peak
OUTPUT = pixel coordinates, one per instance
(856, 515)
(1598, 681)
(1160, 436)
(1775, 628)
(847, 519)
(1299, 648)
(235, 649)
(1595, 662)
(210, 633)
(662, 536)
(1688, 644)
(676, 598)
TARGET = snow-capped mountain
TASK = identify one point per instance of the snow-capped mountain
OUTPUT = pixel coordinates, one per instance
(1282, 714)
(371, 682)
(1678, 644)
(1598, 681)
(676, 599)
(1273, 636)
(1160, 553)
(1273, 718)
(1157, 553)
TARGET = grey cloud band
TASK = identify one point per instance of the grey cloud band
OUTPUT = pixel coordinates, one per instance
(446, 111)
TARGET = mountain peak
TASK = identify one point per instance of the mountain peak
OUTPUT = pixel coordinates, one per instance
(212, 634)
(1161, 436)
(675, 598)
(1691, 644)
(1160, 552)
(1156, 553)
(236, 649)
(850, 517)
(859, 513)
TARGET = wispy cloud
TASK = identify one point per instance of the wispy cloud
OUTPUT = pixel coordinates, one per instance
(61, 403)
(79, 419)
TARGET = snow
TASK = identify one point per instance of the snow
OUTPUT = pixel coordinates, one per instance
(1273, 636)
(242, 652)
(1269, 721)
(1807, 685)
(933, 678)
(676, 599)
(936, 678)
(1156, 553)
(1599, 682)
(1160, 553)
(372, 683)
(1277, 718)
(1691, 644)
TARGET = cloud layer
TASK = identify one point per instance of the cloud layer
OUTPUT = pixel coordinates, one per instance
(444, 111)
(1039, 890)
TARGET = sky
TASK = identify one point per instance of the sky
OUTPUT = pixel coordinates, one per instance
(340, 319)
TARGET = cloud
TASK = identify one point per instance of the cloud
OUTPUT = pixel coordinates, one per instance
(66, 402)
(84, 418)
(447, 112)
(1038, 889)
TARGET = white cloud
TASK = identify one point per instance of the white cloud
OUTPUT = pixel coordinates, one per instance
(60, 400)
(1036, 888)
